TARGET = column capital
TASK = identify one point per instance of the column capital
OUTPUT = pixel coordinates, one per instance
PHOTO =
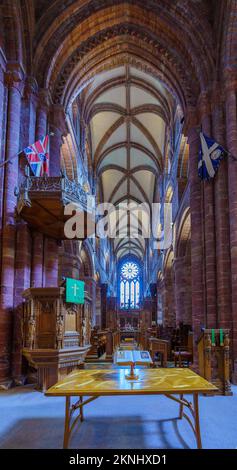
(230, 80)
(14, 77)
(3, 62)
(44, 99)
(58, 119)
(217, 93)
(179, 260)
(204, 105)
(192, 124)
(30, 87)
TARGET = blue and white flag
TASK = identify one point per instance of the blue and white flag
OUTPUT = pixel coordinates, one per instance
(209, 158)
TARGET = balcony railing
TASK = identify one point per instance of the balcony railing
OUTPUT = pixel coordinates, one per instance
(41, 202)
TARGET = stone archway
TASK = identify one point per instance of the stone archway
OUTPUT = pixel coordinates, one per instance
(168, 290)
(182, 271)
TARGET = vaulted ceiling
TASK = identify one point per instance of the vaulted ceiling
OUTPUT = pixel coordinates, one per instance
(129, 114)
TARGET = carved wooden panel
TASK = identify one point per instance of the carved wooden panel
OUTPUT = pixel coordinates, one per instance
(46, 326)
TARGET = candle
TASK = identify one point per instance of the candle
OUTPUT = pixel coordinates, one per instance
(213, 343)
(221, 337)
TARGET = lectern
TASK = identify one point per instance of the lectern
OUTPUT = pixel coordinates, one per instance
(214, 358)
(55, 334)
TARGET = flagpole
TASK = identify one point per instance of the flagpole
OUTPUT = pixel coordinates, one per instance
(229, 154)
(204, 249)
(9, 160)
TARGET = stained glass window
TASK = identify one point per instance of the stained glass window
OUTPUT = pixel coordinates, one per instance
(129, 289)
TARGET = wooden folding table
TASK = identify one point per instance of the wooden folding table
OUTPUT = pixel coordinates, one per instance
(88, 385)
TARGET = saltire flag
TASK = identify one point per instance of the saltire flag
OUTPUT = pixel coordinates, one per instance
(210, 155)
(38, 156)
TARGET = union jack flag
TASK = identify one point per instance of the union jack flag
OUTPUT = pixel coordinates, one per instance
(38, 156)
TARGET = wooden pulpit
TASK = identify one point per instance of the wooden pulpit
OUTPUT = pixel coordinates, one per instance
(55, 334)
(214, 358)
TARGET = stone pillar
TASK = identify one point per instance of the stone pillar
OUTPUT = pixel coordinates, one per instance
(208, 225)
(37, 259)
(23, 238)
(50, 262)
(58, 128)
(231, 138)
(38, 238)
(28, 114)
(223, 265)
(104, 289)
(22, 282)
(14, 78)
(111, 320)
(183, 295)
(179, 286)
(41, 128)
(198, 283)
(98, 306)
(168, 299)
(160, 307)
(2, 132)
(90, 287)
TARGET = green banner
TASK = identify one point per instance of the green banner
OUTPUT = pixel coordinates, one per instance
(75, 291)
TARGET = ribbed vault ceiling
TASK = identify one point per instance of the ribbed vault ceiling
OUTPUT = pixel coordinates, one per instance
(128, 114)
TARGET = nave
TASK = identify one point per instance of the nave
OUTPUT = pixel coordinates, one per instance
(118, 222)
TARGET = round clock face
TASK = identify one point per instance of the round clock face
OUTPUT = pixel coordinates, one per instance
(129, 270)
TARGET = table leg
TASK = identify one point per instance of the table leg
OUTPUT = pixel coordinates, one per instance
(181, 407)
(197, 423)
(81, 410)
(67, 423)
(165, 359)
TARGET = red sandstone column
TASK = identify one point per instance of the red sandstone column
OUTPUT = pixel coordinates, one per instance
(22, 282)
(160, 311)
(104, 290)
(14, 83)
(58, 128)
(41, 128)
(231, 136)
(181, 289)
(37, 259)
(198, 286)
(50, 262)
(209, 226)
(28, 114)
(187, 317)
(168, 297)
(38, 238)
(2, 93)
(98, 306)
(23, 238)
(163, 301)
(223, 265)
(90, 287)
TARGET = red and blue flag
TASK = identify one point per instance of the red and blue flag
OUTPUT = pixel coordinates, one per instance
(38, 156)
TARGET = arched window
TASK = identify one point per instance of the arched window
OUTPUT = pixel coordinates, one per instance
(130, 285)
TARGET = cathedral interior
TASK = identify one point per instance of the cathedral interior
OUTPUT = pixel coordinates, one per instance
(121, 89)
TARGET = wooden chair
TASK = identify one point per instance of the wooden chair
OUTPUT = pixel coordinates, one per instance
(184, 354)
(159, 346)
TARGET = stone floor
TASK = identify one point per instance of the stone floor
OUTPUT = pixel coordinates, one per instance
(30, 420)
